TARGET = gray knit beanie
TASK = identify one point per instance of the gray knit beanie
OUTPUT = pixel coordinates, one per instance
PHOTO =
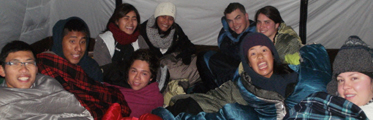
(354, 56)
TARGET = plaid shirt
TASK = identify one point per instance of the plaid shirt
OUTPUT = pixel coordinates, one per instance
(93, 95)
(322, 106)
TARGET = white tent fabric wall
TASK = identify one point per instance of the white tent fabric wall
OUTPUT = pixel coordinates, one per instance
(329, 22)
(33, 20)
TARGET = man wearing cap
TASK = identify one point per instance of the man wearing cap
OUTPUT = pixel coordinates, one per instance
(216, 68)
(167, 40)
(26, 94)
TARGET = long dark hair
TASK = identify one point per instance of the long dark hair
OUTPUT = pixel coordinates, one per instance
(271, 12)
(121, 11)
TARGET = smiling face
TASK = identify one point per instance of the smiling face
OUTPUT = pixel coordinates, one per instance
(128, 23)
(165, 22)
(355, 87)
(74, 46)
(139, 75)
(266, 26)
(261, 60)
(237, 21)
(21, 76)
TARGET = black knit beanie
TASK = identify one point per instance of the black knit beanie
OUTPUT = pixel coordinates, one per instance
(254, 39)
(354, 56)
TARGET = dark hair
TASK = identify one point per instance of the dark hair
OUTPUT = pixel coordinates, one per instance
(233, 6)
(149, 57)
(75, 25)
(121, 11)
(14, 46)
(271, 12)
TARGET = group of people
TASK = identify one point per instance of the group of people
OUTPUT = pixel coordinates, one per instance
(261, 71)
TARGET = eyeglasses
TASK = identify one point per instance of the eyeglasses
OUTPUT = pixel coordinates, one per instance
(18, 64)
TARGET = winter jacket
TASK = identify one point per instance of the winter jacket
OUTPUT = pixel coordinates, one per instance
(105, 47)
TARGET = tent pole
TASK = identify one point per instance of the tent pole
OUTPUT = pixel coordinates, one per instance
(118, 2)
(303, 21)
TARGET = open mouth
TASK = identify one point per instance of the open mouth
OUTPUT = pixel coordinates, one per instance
(262, 65)
(24, 79)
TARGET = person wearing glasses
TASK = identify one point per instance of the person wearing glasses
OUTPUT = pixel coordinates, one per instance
(27, 94)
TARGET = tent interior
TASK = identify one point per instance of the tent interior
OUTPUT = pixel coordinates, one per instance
(328, 23)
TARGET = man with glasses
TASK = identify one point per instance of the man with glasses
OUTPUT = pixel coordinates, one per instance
(26, 94)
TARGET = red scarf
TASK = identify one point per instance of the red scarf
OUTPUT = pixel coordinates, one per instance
(122, 37)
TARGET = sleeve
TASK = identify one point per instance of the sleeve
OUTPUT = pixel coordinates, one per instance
(101, 53)
(142, 43)
(288, 47)
(187, 47)
(215, 99)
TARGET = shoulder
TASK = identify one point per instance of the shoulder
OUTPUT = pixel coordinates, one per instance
(45, 81)
(106, 35)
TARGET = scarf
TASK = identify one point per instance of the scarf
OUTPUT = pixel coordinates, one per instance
(122, 37)
(89, 65)
(93, 95)
(142, 101)
(155, 38)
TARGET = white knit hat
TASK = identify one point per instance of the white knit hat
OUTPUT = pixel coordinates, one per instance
(165, 8)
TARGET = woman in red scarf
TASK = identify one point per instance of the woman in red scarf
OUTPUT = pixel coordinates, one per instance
(141, 92)
(119, 40)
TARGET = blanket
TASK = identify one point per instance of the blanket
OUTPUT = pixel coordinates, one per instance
(142, 101)
(322, 106)
(93, 95)
(45, 100)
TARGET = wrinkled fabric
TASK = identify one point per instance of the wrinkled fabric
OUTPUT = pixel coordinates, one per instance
(288, 43)
(142, 101)
(322, 106)
(93, 95)
(314, 73)
(113, 113)
(215, 99)
(173, 88)
(46, 100)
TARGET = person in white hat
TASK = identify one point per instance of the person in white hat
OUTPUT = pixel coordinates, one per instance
(161, 34)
